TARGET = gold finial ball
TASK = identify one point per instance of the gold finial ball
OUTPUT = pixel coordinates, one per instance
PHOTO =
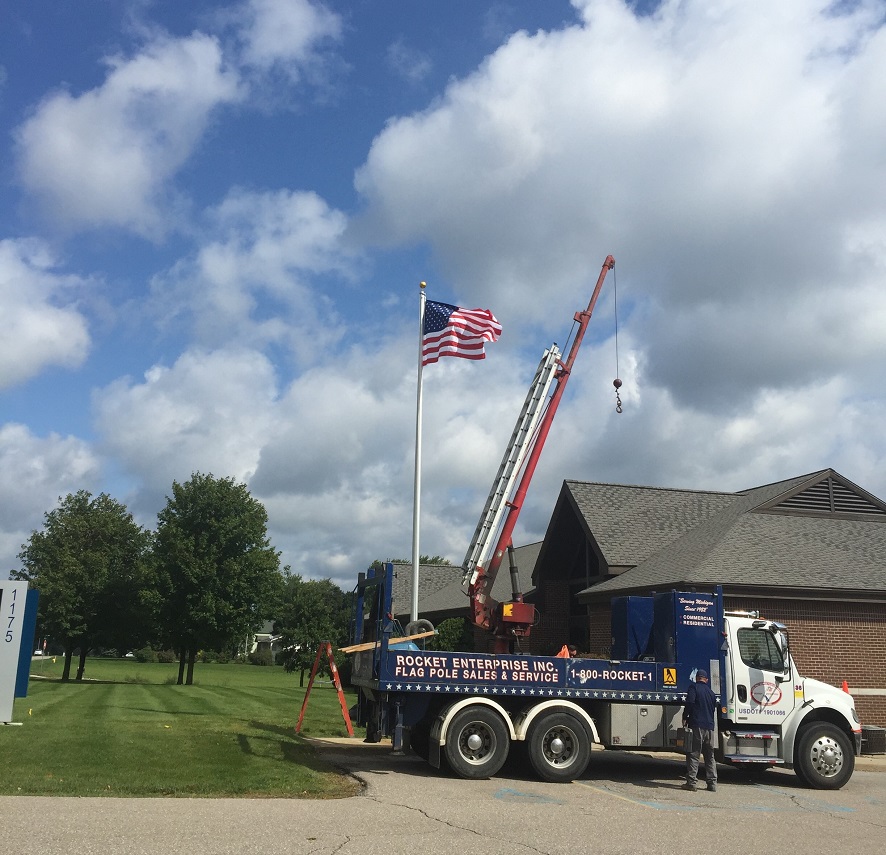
(422, 284)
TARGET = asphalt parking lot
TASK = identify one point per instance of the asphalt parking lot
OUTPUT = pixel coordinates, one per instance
(626, 803)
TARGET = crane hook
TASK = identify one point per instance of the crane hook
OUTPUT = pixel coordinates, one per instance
(617, 384)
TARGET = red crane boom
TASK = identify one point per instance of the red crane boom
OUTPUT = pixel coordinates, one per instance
(513, 619)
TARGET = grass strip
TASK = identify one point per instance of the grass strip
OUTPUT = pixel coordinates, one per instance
(128, 730)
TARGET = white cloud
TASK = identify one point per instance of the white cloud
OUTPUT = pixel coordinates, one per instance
(42, 323)
(254, 279)
(407, 62)
(285, 33)
(34, 473)
(337, 476)
(209, 412)
(106, 157)
(719, 184)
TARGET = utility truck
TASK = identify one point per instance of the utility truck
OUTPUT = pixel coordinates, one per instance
(468, 711)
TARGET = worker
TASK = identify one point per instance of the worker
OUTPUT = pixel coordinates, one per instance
(698, 716)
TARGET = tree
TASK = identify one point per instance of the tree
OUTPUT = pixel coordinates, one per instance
(91, 565)
(454, 635)
(218, 573)
(310, 611)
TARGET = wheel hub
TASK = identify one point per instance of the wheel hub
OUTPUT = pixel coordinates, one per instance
(474, 742)
(556, 746)
(827, 757)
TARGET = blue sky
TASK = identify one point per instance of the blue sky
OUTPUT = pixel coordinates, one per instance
(215, 217)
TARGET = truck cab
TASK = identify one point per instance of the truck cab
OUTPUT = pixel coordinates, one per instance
(772, 715)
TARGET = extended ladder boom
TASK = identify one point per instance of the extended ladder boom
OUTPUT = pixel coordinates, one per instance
(524, 450)
(524, 431)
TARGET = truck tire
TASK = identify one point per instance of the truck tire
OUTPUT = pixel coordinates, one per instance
(559, 747)
(825, 759)
(477, 742)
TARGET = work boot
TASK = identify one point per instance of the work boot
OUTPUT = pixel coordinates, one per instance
(690, 786)
(712, 787)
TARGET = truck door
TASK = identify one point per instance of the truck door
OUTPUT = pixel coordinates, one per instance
(761, 670)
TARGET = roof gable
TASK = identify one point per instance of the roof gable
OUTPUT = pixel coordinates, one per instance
(626, 523)
(829, 496)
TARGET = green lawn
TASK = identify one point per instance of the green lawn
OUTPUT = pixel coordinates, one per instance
(128, 730)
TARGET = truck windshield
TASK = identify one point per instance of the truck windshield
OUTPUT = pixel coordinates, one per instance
(759, 649)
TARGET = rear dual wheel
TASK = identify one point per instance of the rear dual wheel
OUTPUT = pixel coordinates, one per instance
(559, 746)
(477, 742)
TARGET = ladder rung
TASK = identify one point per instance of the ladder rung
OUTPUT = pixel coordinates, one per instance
(521, 438)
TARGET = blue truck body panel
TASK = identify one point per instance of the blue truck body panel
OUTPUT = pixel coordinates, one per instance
(683, 629)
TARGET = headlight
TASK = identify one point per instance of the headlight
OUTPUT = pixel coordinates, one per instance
(855, 716)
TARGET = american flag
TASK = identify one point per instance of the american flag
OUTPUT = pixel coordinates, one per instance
(453, 331)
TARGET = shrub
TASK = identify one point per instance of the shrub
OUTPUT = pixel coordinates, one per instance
(453, 634)
(146, 654)
(262, 656)
(167, 656)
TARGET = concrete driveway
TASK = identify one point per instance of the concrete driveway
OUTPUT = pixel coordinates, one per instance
(625, 804)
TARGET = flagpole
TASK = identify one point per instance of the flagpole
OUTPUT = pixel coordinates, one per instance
(416, 501)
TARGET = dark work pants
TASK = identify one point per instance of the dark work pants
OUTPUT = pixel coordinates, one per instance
(702, 743)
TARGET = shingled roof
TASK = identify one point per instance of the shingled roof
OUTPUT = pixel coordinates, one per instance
(818, 533)
(440, 592)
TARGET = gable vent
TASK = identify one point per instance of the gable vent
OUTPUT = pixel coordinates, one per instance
(830, 497)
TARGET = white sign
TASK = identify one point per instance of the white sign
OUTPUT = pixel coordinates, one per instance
(12, 618)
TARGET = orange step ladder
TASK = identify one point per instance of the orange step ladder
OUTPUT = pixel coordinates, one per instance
(327, 647)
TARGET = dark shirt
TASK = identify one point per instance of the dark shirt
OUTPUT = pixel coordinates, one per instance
(701, 704)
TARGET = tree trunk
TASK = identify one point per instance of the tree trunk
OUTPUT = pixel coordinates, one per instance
(66, 671)
(192, 657)
(81, 667)
(181, 665)
(301, 679)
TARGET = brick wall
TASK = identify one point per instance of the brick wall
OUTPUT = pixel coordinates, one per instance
(599, 630)
(552, 630)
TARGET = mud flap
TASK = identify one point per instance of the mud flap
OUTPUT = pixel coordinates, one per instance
(434, 743)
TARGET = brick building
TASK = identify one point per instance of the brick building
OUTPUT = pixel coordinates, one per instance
(809, 552)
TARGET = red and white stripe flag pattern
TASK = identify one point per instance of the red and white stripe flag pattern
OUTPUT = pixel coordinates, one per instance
(452, 331)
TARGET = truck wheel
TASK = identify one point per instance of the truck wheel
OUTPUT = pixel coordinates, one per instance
(477, 742)
(825, 759)
(559, 747)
